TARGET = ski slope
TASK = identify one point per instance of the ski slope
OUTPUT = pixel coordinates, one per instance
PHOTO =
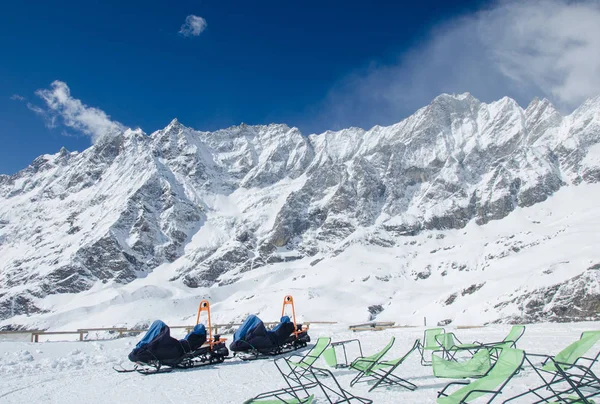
(61, 372)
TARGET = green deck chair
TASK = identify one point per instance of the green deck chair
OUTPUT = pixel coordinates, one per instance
(574, 352)
(450, 345)
(568, 368)
(364, 363)
(332, 389)
(510, 341)
(296, 391)
(382, 372)
(429, 343)
(476, 366)
(300, 367)
(508, 364)
(297, 388)
(330, 354)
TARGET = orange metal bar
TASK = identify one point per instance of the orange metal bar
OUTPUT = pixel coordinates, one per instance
(289, 300)
(205, 306)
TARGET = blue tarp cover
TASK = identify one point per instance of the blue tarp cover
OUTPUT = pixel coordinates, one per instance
(199, 329)
(284, 319)
(251, 322)
(152, 332)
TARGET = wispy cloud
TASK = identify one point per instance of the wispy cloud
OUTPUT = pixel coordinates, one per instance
(17, 97)
(193, 26)
(38, 110)
(73, 113)
(548, 48)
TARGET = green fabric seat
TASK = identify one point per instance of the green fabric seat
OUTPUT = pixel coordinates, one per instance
(310, 358)
(575, 350)
(429, 338)
(510, 341)
(330, 357)
(476, 366)
(508, 363)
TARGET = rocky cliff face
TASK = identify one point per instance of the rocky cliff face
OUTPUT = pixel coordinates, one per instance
(216, 204)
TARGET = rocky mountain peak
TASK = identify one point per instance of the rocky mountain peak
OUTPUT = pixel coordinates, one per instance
(212, 205)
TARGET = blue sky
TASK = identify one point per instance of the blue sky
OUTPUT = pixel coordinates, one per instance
(312, 64)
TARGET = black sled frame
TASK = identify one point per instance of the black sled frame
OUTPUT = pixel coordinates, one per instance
(201, 357)
(254, 353)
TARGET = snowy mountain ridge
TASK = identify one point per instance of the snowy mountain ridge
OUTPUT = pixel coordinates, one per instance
(212, 210)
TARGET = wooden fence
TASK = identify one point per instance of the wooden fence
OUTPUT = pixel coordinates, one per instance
(35, 334)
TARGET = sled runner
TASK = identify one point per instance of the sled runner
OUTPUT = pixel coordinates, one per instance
(253, 341)
(158, 352)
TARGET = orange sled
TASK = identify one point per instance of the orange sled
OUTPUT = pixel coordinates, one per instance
(158, 352)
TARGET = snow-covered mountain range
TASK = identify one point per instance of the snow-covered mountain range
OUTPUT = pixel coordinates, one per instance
(463, 212)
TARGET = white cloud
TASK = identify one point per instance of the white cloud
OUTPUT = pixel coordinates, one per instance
(553, 44)
(548, 48)
(74, 114)
(193, 26)
(17, 97)
(38, 110)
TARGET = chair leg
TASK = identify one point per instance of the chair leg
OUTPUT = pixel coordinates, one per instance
(390, 379)
(343, 395)
(357, 378)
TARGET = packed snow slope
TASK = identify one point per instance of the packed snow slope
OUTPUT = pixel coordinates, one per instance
(464, 212)
(59, 372)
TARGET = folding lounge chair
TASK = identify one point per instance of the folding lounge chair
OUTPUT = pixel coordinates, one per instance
(508, 364)
(569, 372)
(364, 363)
(510, 341)
(382, 372)
(299, 368)
(332, 390)
(429, 343)
(297, 390)
(451, 345)
(330, 354)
